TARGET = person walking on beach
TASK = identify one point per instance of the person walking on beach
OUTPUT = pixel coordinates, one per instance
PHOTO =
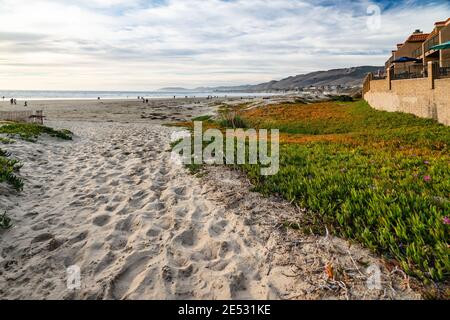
(26, 104)
(3, 98)
(12, 101)
(15, 101)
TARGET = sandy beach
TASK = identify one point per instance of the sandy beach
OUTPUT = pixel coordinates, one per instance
(139, 226)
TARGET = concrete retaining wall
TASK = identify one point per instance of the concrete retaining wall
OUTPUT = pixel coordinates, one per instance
(427, 98)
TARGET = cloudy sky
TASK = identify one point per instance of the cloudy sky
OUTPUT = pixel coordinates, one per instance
(148, 44)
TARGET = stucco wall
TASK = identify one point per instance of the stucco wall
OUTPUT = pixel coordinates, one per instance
(442, 100)
(412, 96)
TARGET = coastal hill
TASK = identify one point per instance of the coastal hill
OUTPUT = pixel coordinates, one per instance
(347, 77)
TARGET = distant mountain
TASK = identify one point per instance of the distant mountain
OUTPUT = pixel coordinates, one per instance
(347, 77)
(344, 77)
(174, 89)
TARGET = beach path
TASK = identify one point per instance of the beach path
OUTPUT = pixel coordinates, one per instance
(113, 203)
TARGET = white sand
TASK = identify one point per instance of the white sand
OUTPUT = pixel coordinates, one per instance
(140, 227)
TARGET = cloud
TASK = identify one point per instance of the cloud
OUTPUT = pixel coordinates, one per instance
(142, 45)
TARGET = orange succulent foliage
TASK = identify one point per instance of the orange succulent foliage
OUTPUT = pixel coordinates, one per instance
(300, 112)
(304, 138)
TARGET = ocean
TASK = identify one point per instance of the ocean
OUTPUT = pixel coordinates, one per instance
(88, 95)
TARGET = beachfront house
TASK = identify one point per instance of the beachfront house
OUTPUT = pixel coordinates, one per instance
(419, 46)
(417, 76)
(409, 48)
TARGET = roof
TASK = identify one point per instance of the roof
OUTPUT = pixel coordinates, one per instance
(420, 37)
(444, 22)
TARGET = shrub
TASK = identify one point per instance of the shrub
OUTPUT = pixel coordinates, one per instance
(8, 170)
(5, 221)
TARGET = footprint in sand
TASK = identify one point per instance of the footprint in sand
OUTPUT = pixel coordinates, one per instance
(187, 238)
(153, 232)
(218, 228)
(101, 220)
(80, 237)
(42, 237)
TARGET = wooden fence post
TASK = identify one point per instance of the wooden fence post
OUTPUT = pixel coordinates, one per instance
(390, 77)
(432, 73)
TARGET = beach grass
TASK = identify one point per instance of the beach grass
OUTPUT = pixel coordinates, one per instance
(9, 169)
(6, 140)
(377, 177)
(202, 118)
(30, 132)
(5, 221)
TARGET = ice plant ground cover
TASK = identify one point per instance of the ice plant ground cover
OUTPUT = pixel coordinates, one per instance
(380, 178)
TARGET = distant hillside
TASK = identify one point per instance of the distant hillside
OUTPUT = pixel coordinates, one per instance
(174, 89)
(344, 77)
(347, 77)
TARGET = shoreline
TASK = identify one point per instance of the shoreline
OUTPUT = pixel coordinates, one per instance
(178, 96)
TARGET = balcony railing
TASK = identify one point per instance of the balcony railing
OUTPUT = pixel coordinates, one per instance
(418, 52)
(409, 75)
(444, 71)
(410, 72)
(434, 41)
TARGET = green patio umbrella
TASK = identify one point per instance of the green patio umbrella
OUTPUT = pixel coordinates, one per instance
(442, 46)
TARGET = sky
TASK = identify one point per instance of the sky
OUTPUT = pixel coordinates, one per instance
(150, 44)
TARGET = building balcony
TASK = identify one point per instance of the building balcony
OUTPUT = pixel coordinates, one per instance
(418, 53)
(433, 41)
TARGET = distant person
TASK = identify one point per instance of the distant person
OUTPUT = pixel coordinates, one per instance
(12, 101)
(3, 97)
(26, 104)
(174, 97)
(139, 98)
(98, 98)
(146, 101)
(15, 101)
